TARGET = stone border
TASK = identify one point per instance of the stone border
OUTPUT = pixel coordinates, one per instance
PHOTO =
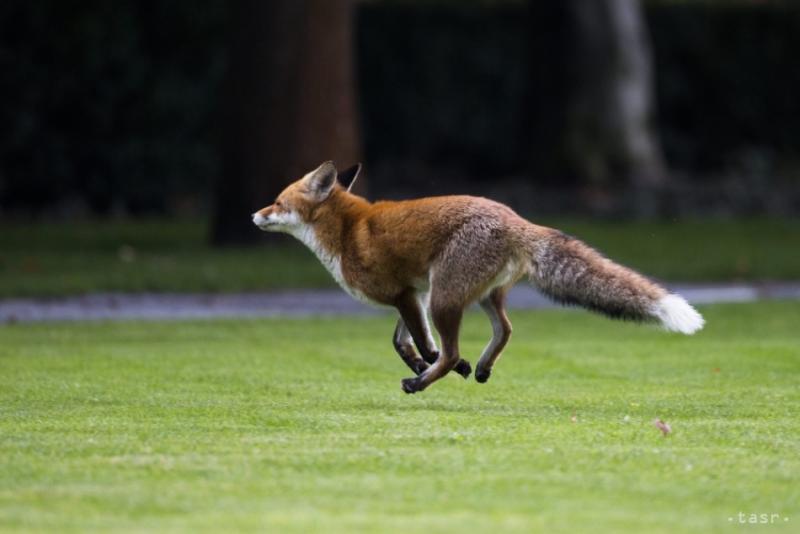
(304, 303)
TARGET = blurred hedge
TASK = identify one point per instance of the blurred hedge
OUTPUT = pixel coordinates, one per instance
(727, 80)
(111, 105)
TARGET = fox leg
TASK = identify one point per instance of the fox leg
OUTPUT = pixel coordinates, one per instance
(404, 345)
(463, 367)
(493, 305)
(448, 322)
(416, 322)
(477, 257)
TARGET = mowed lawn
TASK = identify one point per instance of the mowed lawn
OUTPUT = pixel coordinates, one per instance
(55, 259)
(300, 425)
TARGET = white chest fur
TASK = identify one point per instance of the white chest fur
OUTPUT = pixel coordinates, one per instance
(331, 261)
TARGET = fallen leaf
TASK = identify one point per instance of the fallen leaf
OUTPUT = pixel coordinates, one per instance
(662, 426)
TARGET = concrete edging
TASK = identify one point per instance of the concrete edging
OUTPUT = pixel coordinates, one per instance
(302, 303)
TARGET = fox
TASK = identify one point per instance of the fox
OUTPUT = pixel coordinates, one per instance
(435, 256)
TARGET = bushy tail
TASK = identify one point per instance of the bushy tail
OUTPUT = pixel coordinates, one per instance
(570, 272)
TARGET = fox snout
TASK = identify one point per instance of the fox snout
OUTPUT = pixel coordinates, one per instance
(261, 218)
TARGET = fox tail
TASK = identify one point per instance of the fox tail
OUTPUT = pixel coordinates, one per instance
(572, 273)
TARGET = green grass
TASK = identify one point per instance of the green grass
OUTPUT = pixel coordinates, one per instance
(300, 425)
(54, 259)
(160, 256)
(703, 250)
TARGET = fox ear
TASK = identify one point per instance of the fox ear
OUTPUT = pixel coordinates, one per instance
(348, 177)
(320, 181)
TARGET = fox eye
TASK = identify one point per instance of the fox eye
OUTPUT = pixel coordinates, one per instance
(279, 204)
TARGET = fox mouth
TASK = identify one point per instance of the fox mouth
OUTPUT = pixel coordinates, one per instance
(262, 222)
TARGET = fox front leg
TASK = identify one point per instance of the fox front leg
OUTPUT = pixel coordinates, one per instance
(404, 345)
(416, 323)
(447, 321)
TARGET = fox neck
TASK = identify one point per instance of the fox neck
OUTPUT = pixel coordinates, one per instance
(328, 231)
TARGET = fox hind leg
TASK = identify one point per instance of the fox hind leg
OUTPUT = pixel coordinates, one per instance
(494, 306)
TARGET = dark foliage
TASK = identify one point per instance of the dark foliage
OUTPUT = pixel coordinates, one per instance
(108, 104)
(112, 105)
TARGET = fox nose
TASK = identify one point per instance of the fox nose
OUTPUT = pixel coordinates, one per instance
(258, 219)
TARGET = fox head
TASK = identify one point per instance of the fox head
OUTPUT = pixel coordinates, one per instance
(295, 205)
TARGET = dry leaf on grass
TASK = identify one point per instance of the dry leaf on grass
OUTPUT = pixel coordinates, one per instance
(662, 426)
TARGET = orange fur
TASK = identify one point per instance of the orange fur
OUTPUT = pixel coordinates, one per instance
(387, 247)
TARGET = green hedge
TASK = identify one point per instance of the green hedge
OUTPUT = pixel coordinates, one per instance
(108, 103)
(728, 80)
(451, 84)
(113, 103)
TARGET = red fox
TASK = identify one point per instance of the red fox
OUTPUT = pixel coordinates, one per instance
(435, 256)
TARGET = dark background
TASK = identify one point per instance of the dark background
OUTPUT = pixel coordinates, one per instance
(119, 108)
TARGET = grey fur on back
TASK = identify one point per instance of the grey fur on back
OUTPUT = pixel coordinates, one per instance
(472, 258)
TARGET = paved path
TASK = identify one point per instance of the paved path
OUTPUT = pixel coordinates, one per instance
(305, 303)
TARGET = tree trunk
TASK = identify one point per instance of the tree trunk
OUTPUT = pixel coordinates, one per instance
(289, 104)
(594, 120)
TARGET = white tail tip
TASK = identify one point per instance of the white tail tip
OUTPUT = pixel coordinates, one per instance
(677, 315)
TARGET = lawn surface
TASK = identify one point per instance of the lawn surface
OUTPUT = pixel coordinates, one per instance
(62, 259)
(300, 425)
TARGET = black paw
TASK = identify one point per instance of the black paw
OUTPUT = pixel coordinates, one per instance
(463, 368)
(431, 357)
(411, 385)
(482, 375)
(420, 367)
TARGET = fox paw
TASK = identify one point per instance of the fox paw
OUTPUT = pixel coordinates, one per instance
(463, 368)
(411, 385)
(431, 356)
(482, 375)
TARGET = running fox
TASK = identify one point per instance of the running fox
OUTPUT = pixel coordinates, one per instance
(438, 255)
